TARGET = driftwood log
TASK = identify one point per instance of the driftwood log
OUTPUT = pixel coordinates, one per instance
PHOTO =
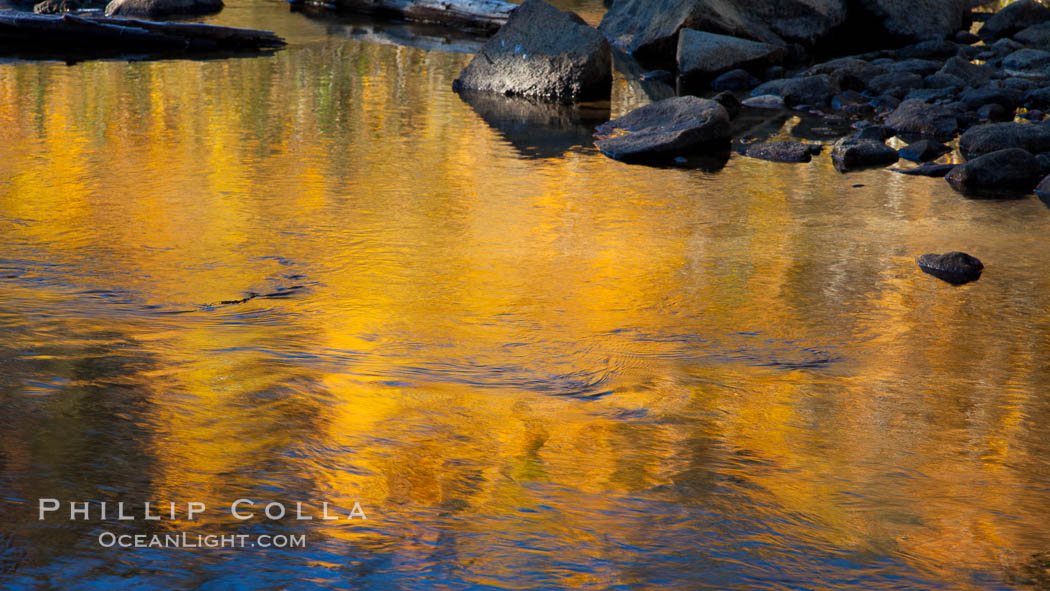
(68, 35)
(480, 14)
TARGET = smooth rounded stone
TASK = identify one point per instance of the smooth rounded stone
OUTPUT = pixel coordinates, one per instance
(930, 170)
(923, 151)
(851, 153)
(853, 102)
(953, 267)
(702, 56)
(878, 133)
(944, 81)
(1037, 98)
(542, 53)
(1014, 18)
(939, 48)
(1027, 59)
(975, 98)
(1009, 170)
(917, 118)
(918, 66)
(648, 29)
(966, 38)
(729, 101)
(764, 101)
(1037, 35)
(911, 20)
(153, 9)
(783, 151)
(848, 73)
(993, 137)
(806, 90)
(994, 112)
(736, 80)
(1043, 188)
(664, 128)
(972, 74)
(895, 83)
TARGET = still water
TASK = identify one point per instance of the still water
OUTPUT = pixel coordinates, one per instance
(532, 366)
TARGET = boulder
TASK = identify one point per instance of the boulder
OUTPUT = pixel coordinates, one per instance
(735, 80)
(1013, 18)
(542, 53)
(850, 153)
(702, 56)
(1037, 98)
(1027, 60)
(922, 67)
(154, 9)
(805, 90)
(915, 20)
(729, 101)
(953, 267)
(976, 98)
(945, 81)
(993, 137)
(895, 83)
(848, 73)
(1037, 35)
(649, 29)
(917, 118)
(1009, 170)
(940, 48)
(664, 129)
(972, 74)
(923, 151)
(782, 151)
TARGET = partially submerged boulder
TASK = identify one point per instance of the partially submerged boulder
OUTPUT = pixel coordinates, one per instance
(1006, 171)
(702, 56)
(155, 9)
(782, 151)
(542, 53)
(953, 267)
(664, 129)
(851, 153)
(923, 151)
(917, 118)
(992, 137)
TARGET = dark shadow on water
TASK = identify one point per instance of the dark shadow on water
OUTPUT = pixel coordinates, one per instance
(534, 129)
(386, 31)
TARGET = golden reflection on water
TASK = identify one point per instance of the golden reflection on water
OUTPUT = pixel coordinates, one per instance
(529, 370)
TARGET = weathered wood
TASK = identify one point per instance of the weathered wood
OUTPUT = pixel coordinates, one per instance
(481, 14)
(78, 37)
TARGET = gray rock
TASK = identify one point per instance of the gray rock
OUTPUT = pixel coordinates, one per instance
(153, 9)
(852, 102)
(764, 101)
(542, 53)
(939, 48)
(885, 103)
(729, 101)
(917, 20)
(876, 133)
(895, 83)
(1009, 170)
(1037, 98)
(975, 98)
(972, 74)
(783, 151)
(923, 151)
(735, 80)
(1027, 59)
(851, 153)
(917, 118)
(966, 38)
(922, 67)
(993, 137)
(994, 112)
(702, 56)
(1043, 188)
(1038, 35)
(1021, 84)
(953, 267)
(664, 129)
(848, 73)
(1013, 18)
(944, 81)
(931, 95)
(807, 90)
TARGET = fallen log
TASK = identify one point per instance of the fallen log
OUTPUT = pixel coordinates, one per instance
(68, 35)
(479, 14)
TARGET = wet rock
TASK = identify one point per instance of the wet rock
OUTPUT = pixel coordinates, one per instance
(783, 151)
(921, 67)
(930, 170)
(649, 28)
(917, 118)
(1027, 60)
(992, 137)
(729, 101)
(1010, 170)
(931, 95)
(876, 133)
(806, 90)
(923, 151)
(848, 73)
(764, 101)
(976, 98)
(736, 80)
(953, 267)
(1020, 84)
(945, 81)
(939, 48)
(966, 38)
(972, 74)
(1014, 18)
(851, 153)
(542, 53)
(664, 129)
(153, 9)
(915, 21)
(1038, 98)
(1043, 188)
(994, 112)
(895, 83)
(702, 56)
(885, 103)
(1037, 35)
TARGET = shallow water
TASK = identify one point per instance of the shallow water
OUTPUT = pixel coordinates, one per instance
(532, 366)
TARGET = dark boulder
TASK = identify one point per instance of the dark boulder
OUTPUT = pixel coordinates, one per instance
(851, 153)
(922, 67)
(877, 133)
(953, 267)
(1013, 18)
(966, 38)
(664, 129)
(729, 101)
(976, 98)
(852, 102)
(1035, 35)
(848, 73)
(1010, 170)
(542, 53)
(702, 56)
(939, 48)
(895, 83)
(923, 151)
(1043, 188)
(806, 90)
(1037, 98)
(994, 112)
(153, 9)
(783, 151)
(917, 118)
(944, 81)
(735, 80)
(993, 137)
(972, 74)
(1027, 60)
(909, 20)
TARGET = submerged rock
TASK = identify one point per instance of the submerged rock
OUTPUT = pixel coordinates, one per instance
(930, 170)
(664, 129)
(953, 267)
(1005, 171)
(542, 53)
(783, 151)
(702, 56)
(162, 8)
(851, 153)
(992, 137)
